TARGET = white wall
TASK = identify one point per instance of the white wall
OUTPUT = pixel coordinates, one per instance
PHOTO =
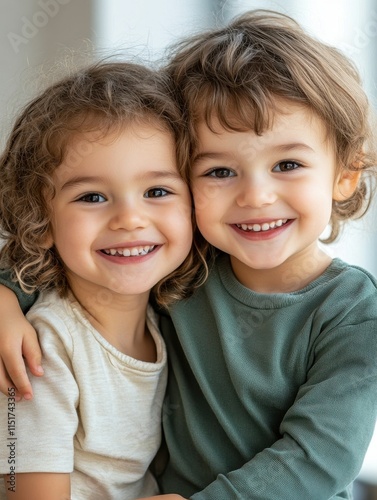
(34, 36)
(37, 35)
(144, 28)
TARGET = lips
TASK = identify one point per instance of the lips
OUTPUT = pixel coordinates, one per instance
(136, 251)
(264, 226)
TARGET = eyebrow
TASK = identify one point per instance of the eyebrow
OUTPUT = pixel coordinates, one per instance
(76, 181)
(284, 148)
(294, 145)
(162, 174)
(209, 155)
(153, 175)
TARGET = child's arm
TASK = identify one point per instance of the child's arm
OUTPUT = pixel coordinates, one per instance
(38, 486)
(18, 338)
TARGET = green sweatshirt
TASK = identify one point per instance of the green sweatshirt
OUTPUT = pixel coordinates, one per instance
(271, 397)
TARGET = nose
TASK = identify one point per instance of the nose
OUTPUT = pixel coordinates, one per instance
(256, 191)
(128, 215)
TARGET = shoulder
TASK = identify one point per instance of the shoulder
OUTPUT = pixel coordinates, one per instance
(353, 281)
(339, 265)
(49, 307)
(48, 299)
(54, 319)
(346, 302)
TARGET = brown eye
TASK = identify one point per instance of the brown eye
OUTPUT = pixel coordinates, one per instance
(220, 173)
(92, 198)
(156, 193)
(286, 166)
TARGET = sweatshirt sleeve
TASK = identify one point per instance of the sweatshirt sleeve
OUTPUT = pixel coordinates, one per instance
(326, 431)
(26, 300)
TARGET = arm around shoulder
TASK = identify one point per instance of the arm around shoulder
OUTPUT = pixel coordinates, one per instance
(17, 338)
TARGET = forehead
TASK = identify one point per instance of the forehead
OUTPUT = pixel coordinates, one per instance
(287, 122)
(80, 143)
(299, 135)
(95, 128)
(136, 150)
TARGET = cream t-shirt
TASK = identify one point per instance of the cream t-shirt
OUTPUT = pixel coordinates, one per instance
(96, 413)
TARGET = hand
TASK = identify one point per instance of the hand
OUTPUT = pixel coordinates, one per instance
(17, 338)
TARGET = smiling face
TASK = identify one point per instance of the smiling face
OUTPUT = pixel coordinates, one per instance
(121, 213)
(265, 200)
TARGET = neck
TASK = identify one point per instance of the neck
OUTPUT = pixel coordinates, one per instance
(292, 275)
(120, 319)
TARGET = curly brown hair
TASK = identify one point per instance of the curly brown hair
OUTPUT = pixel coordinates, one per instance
(237, 73)
(105, 97)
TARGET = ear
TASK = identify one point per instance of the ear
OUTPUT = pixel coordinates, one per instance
(345, 184)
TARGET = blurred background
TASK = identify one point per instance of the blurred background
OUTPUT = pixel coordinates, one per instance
(42, 39)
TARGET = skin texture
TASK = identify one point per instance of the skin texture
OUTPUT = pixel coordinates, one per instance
(40, 486)
(265, 200)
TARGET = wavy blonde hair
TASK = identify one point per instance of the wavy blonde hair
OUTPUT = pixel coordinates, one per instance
(104, 97)
(237, 73)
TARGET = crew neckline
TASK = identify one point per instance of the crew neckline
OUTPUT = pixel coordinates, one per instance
(271, 300)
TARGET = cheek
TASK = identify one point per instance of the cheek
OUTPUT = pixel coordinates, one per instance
(209, 210)
(312, 197)
(207, 225)
(205, 195)
(184, 209)
(176, 222)
(71, 231)
(314, 208)
(182, 229)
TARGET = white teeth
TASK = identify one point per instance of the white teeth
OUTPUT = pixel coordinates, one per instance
(129, 252)
(262, 227)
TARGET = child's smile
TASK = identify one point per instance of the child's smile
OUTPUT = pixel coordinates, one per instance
(261, 229)
(130, 251)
